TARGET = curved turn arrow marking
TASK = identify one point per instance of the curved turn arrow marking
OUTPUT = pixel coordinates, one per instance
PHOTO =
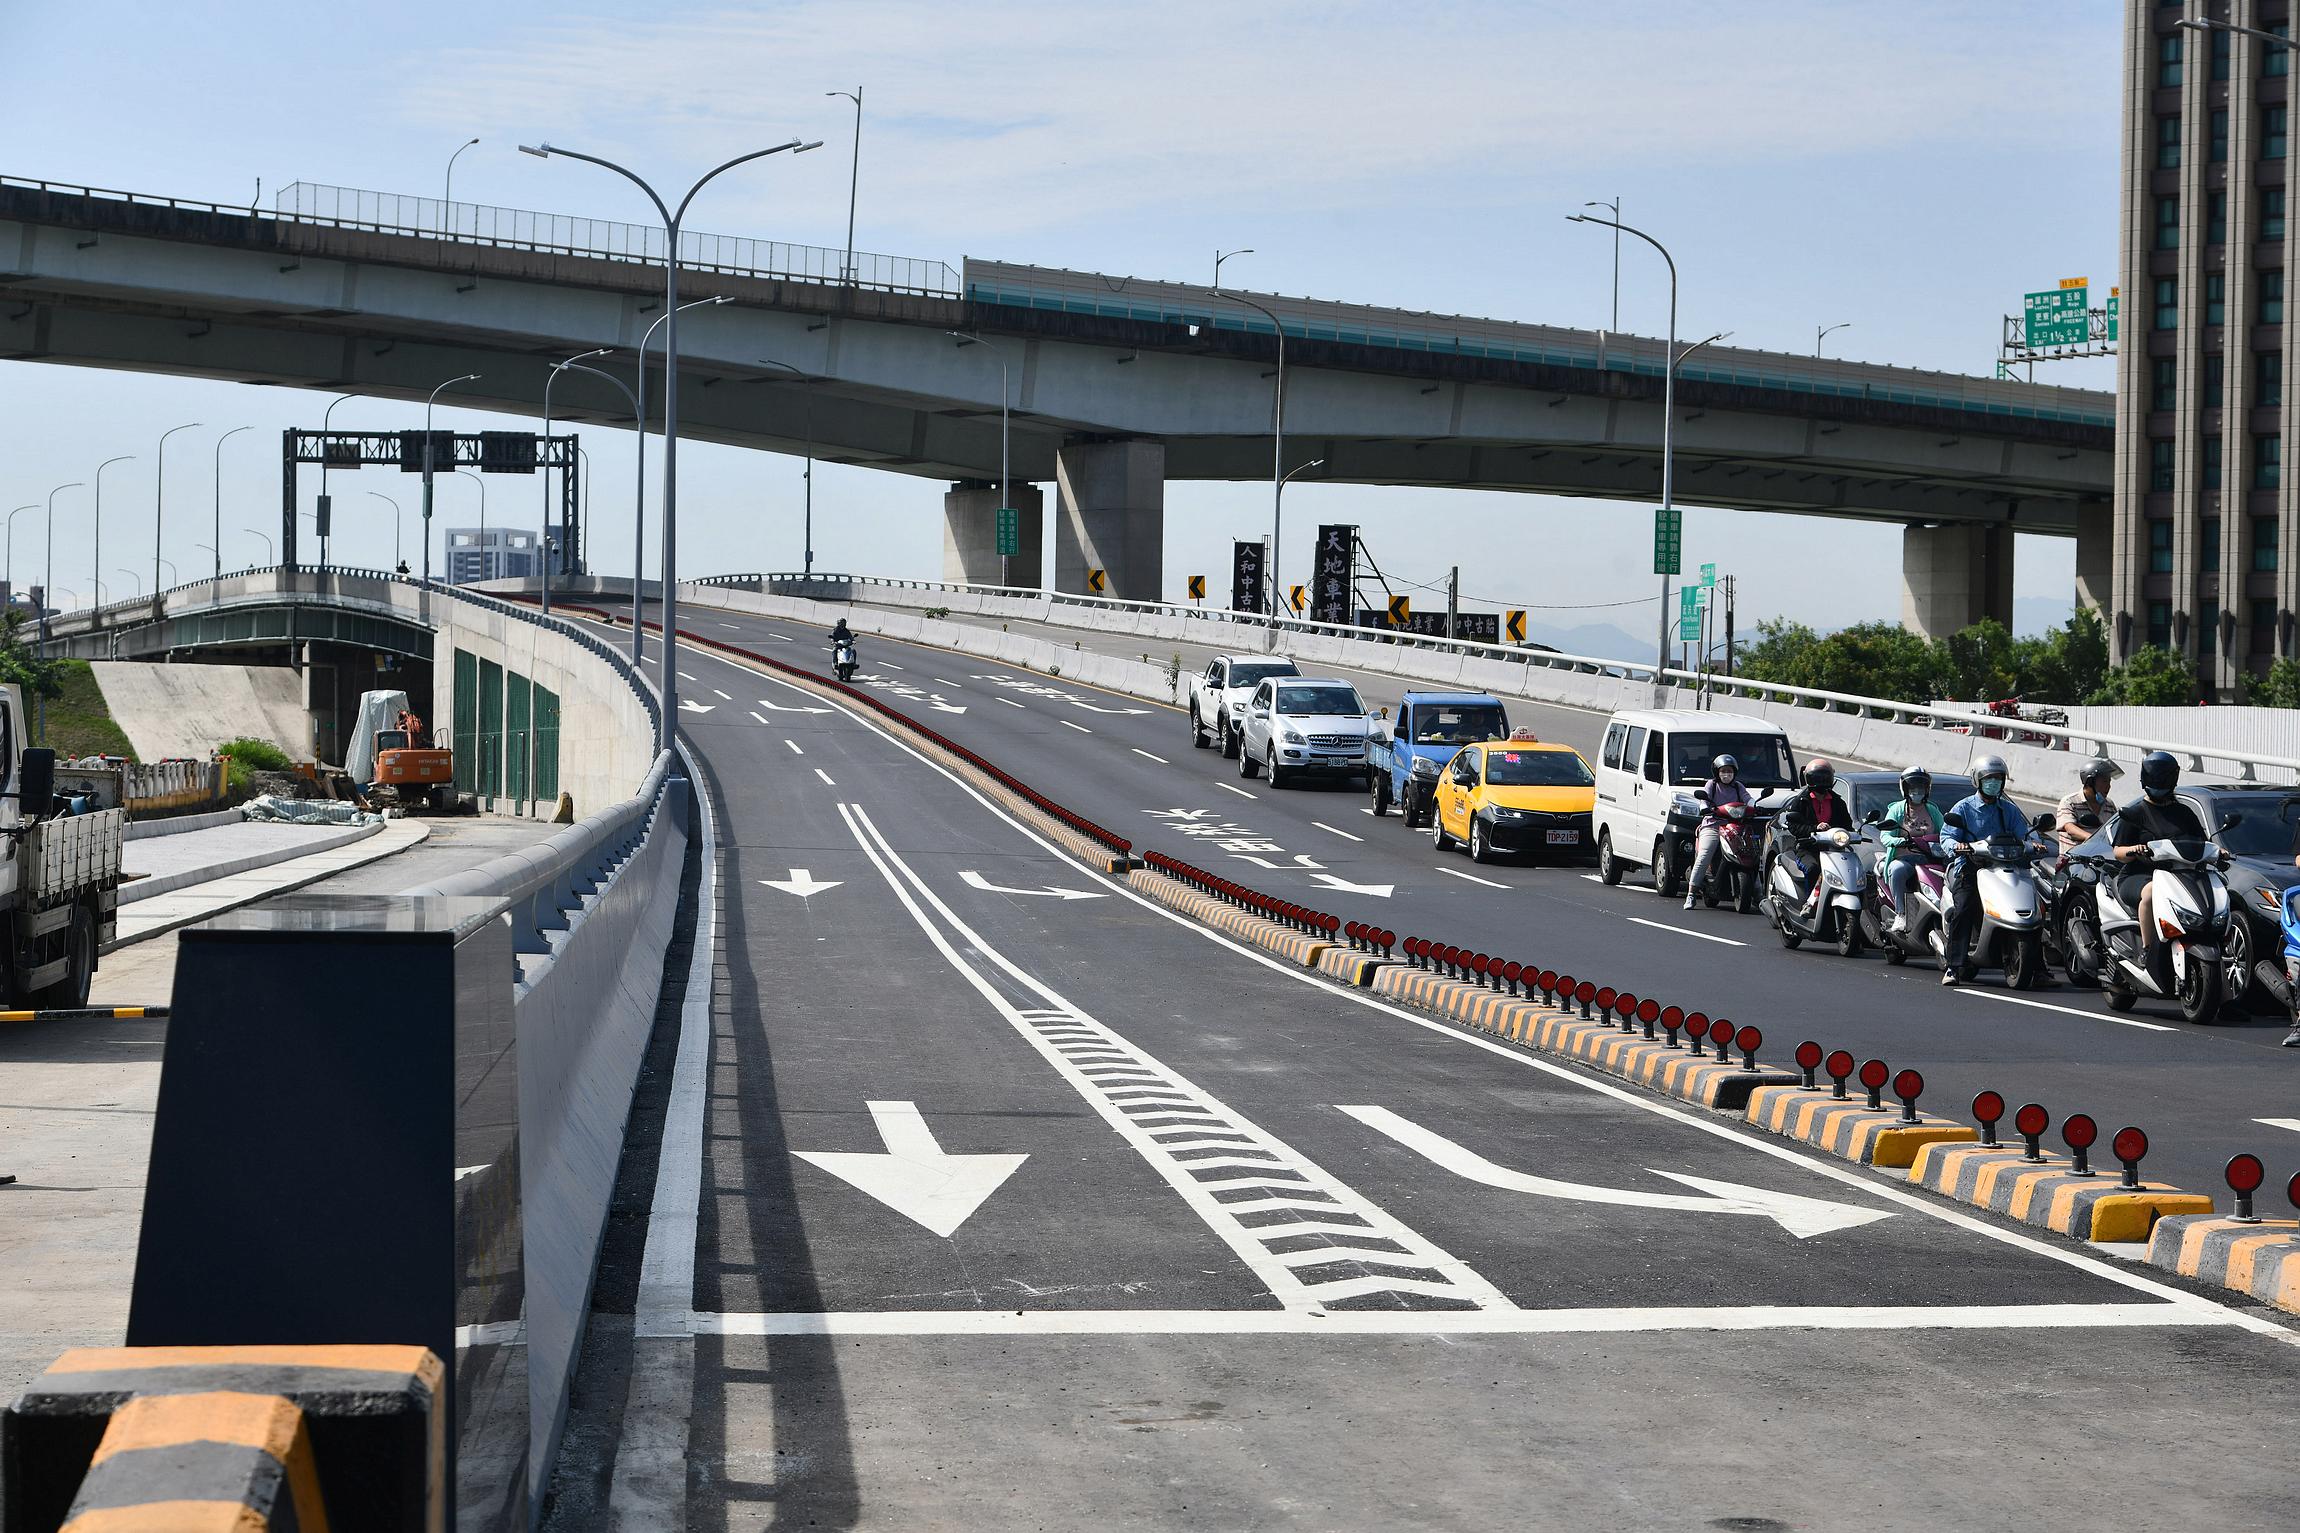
(1800, 1216)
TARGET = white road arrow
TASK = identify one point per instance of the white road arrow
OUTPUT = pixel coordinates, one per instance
(1800, 1216)
(801, 883)
(915, 1176)
(1344, 886)
(779, 708)
(1090, 708)
(940, 706)
(689, 705)
(976, 880)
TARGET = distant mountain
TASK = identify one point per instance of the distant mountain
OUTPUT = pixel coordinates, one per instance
(1600, 640)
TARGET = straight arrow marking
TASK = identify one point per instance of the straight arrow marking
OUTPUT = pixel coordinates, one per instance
(801, 883)
(689, 705)
(1801, 1216)
(915, 1176)
(977, 881)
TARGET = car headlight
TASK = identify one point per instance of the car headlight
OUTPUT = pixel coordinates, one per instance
(1502, 812)
(1292, 735)
(2271, 900)
(1424, 767)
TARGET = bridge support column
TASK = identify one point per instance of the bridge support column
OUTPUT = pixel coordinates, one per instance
(2096, 558)
(1952, 577)
(1110, 514)
(970, 534)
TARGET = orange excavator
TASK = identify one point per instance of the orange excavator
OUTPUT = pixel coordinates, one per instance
(416, 773)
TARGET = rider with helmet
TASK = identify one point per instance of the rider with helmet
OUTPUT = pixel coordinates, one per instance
(1817, 806)
(2089, 798)
(1986, 814)
(2157, 815)
(1911, 832)
(1724, 787)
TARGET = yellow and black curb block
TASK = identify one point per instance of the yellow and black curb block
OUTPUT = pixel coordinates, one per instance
(224, 1461)
(1352, 967)
(1848, 1127)
(2050, 1192)
(113, 1439)
(88, 1014)
(2260, 1258)
(1284, 941)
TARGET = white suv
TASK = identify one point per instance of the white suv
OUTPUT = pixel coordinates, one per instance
(1304, 725)
(1218, 693)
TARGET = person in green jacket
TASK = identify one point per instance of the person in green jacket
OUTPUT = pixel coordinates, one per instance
(1911, 833)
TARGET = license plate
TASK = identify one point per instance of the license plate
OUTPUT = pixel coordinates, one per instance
(1564, 837)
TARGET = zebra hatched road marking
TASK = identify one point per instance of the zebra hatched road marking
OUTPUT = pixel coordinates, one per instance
(1262, 1197)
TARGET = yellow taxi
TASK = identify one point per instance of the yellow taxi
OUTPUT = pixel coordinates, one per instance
(1516, 796)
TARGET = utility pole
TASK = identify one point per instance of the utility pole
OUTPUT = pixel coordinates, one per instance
(1728, 625)
(1453, 602)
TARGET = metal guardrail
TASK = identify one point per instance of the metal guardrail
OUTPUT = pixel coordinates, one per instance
(1919, 715)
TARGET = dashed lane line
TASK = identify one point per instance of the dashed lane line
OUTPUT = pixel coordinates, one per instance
(1010, 702)
(794, 745)
(1081, 728)
(1139, 751)
(1241, 792)
(723, 697)
(762, 718)
(1329, 830)
(826, 777)
(954, 686)
(1473, 878)
(1684, 931)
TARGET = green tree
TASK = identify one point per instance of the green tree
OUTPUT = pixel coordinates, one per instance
(2280, 688)
(1867, 659)
(2153, 678)
(1976, 664)
(2066, 665)
(19, 666)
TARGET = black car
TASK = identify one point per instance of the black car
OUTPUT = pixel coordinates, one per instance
(1868, 793)
(2260, 848)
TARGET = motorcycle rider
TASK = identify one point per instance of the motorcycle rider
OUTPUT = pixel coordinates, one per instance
(1817, 806)
(2157, 815)
(1983, 815)
(2089, 798)
(1724, 787)
(1911, 832)
(841, 634)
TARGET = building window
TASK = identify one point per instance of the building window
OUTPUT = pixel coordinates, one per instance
(2168, 303)
(2272, 298)
(2220, 51)
(2274, 61)
(2216, 218)
(2208, 558)
(2272, 133)
(2272, 213)
(2264, 544)
(2168, 59)
(2267, 462)
(2263, 625)
(2160, 464)
(2207, 630)
(2160, 624)
(2168, 223)
(2215, 298)
(2160, 547)
(2268, 377)
(2168, 143)
(2164, 384)
(2220, 136)
(2209, 451)
(2214, 381)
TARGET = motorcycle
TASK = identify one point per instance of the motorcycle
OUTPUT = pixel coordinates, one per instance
(1740, 837)
(2190, 906)
(843, 659)
(2010, 933)
(1925, 915)
(1830, 909)
(2280, 977)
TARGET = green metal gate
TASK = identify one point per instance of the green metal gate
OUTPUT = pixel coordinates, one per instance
(465, 733)
(489, 782)
(517, 736)
(546, 725)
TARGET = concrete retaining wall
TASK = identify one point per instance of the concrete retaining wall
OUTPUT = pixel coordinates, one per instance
(189, 710)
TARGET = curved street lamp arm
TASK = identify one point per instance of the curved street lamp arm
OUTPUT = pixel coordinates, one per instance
(545, 151)
(610, 377)
(1609, 223)
(675, 219)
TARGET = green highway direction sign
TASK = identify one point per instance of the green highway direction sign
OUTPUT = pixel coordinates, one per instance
(1689, 614)
(1668, 541)
(1009, 531)
(1708, 574)
(2057, 317)
(2112, 292)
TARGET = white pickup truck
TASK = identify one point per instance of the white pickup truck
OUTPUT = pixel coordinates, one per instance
(59, 876)
(1218, 695)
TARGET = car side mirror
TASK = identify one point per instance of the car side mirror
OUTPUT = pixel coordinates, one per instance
(36, 780)
(1873, 817)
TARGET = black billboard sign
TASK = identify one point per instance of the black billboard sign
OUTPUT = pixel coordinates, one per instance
(1334, 575)
(1246, 576)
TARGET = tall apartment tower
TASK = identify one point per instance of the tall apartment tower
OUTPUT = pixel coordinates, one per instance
(2207, 522)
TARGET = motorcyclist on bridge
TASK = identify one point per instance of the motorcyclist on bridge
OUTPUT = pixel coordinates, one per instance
(1817, 806)
(1911, 832)
(2157, 815)
(841, 634)
(1724, 787)
(1983, 815)
(2089, 798)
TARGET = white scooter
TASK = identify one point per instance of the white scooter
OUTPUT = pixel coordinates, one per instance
(1829, 908)
(2190, 906)
(843, 659)
(2010, 933)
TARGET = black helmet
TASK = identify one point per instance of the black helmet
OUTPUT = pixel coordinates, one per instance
(2159, 775)
(2099, 769)
(1819, 775)
(1916, 783)
(1724, 764)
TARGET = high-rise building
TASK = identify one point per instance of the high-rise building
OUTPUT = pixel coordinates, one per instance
(492, 553)
(2207, 522)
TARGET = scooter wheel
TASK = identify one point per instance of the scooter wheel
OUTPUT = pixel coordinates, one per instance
(1895, 954)
(2119, 1000)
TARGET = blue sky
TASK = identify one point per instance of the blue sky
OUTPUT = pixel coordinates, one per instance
(1912, 169)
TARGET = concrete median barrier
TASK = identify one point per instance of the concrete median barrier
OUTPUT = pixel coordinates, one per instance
(2050, 1192)
(2258, 1258)
(1849, 1128)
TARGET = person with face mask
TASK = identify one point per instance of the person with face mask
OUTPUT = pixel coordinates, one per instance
(1817, 806)
(1986, 814)
(1724, 787)
(1912, 830)
(2157, 815)
(2090, 798)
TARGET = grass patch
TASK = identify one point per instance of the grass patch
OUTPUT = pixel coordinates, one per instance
(79, 721)
(251, 756)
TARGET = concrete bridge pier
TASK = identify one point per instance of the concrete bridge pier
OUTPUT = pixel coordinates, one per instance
(1110, 514)
(1953, 576)
(970, 533)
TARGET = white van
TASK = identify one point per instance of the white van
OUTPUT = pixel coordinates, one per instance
(1651, 761)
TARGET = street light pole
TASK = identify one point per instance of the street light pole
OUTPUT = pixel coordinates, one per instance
(132, 575)
(486, 555)
(447, 201)
(396, 518)
(639, 505)
(1301, 468)
(327, 516)
(550, 379)
(807, 415)
(1821, 333)
(96, 557)
(1220, 257)
(48, 560)
(159, 498)
(854, 180)
(219, 534)
(10, 574)
(1668, 424)
(427, 456)
(638, 489)
(1277, 463)
(267, 537)
(1615, 204)
(1005, 392)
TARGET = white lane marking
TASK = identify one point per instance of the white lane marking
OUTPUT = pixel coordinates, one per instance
(1329, 830)
(762, 718)
(683, 676)
(890, 665)
(2070, 1011)
(1367, 811)
(1802, 1217)
(1161, 760)
(1081, 728)
(723, 697)
(914, 1175)
(1083, 1051)
(954, 686)
(974, 880)
(2177, 1307)
(463, 1171)
(1344, 886)
(1684, 931)
(1473, 878)
(1010, 702)
(780, 638)
(802, 883)
(729, 625)
(1515, 1322)
(794, 745)
(2291, 1123)
(826, 777)
(1241, 792)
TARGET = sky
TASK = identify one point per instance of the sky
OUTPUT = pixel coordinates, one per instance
(1912, 170)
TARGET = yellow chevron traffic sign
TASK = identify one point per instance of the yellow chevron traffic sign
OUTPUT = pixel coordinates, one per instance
(1514, 626)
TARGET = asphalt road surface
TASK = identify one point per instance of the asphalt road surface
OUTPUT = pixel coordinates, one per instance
(975, 1190)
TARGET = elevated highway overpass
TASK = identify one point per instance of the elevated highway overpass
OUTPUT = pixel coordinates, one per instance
(1115, 385)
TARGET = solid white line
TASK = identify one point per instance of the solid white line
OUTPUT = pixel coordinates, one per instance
(826, 777)
(1685, 931)
(1520, 1322)
(2291, 1123)
(1241, 792)
(1329, 830)
(794, 745)
(2070, 1011)
(1473, 878)
(1010, 702)
(1161, 760)
(1081, 728)
(2209, 1311)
